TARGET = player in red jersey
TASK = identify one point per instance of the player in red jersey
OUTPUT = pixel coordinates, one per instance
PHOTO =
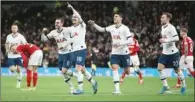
(35, 60)
(133, 49)
(187, 58)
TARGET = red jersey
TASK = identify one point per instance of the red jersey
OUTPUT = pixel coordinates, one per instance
(134, 47)
(187, 41)
(29, 49)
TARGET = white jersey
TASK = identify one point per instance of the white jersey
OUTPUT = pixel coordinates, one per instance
(61, 39)
(119, 34)
(78, 34)
(15, 39)
(169, 32)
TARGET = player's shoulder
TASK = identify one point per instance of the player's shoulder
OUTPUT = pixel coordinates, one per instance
(188, 38)
(20, 35)
(171, 26)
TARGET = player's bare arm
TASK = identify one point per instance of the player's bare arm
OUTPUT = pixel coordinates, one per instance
(75, 13)
(99, 28)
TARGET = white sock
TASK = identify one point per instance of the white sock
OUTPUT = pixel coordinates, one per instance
(80, 80)
(163, 78)
(182, 78)
(89, 77)
(67, 79)
(116, 80)
(19, 76)
(70, 73)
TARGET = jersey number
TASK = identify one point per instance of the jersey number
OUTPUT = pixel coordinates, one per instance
(175, 63)
(191, 47)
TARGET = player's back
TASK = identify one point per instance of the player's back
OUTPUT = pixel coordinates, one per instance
(27, 48)
(169, 32)
(15, 39)
(119, 34)
(78, 34)
(187, 41)
(133, 46)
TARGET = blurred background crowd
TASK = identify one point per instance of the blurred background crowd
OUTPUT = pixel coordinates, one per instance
(143, 19)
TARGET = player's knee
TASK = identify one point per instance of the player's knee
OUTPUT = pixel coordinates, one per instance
(160, 66)
(115, 67)
(12, 68)
(127, 71)
(64, 70)
(79, 67)
(177, 70)
(30, 68)
(34, 69)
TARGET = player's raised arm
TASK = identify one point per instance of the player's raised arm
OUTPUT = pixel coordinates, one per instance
(99, 28)
(45, 37)
(75, 13)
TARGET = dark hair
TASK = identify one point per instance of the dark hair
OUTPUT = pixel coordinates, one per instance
(60, 18)
(184, 30)
(169, 15)
(119, 13)
(14, 24)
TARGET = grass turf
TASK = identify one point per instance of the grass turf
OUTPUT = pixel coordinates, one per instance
(54, 89)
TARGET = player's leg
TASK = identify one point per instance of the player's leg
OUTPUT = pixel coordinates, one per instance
(182, 65)
(35, 77)
(115, 62)
(190, 66)
(29, 76)
(63, 61)
(37, 58)
(161, 65)
(19, 71)
(174, 59)
(136, 64)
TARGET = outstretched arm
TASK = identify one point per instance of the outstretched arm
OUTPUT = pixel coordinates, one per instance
(99, 28)
(77, 14)
(45, 38)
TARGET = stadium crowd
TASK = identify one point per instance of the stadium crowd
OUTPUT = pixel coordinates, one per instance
(142, 19)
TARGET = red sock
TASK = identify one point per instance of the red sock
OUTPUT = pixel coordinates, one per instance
(35, 77)
(192, 73)
(178, 81)
(123, 75)
(140, 76)
(29, 78)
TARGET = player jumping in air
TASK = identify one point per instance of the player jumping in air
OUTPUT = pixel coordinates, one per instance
(133, 49)
(78, 32)
(35, 60)
(15, 60)
(62, 37)
(170, 54)
(187, 58)
(121, 37)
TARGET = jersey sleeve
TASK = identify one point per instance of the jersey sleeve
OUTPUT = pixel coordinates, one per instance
(173, 31)
(51, 34)
(7, 39)
(23, 40)
(108, 29)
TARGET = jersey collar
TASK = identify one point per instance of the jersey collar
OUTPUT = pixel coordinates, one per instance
(14, 35)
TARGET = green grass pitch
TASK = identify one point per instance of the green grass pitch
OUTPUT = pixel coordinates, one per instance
(54, 89)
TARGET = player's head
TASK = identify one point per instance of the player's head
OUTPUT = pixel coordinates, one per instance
(14, 28)
(59, 23)
(75, 19)
(13, 48)
(165, 18)
(183, 32)
(118, 17)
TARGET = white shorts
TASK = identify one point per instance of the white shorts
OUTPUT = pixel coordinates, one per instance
(36, 58)
(189, 60)
(135, 60)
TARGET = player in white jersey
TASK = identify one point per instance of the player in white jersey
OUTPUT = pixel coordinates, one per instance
(15, 60)
(62, 37)
(78, 32)
(121, 37)
(170, 55)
